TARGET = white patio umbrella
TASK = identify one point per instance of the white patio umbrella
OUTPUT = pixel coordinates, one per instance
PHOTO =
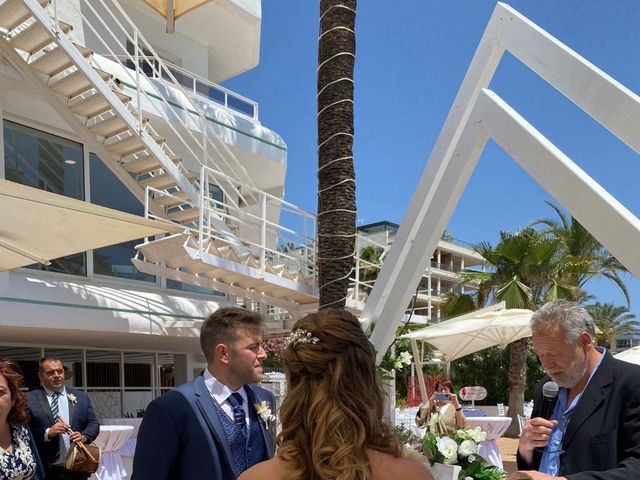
(476, 331)
(470, 333)
(631, 355)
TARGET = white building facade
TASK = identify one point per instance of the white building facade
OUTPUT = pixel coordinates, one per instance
(441, 277)
(99, 103)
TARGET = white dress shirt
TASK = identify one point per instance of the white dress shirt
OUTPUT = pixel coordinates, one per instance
(63, 413)
(221, 393)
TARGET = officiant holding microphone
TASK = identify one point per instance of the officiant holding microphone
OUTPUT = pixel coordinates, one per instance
(591, 429)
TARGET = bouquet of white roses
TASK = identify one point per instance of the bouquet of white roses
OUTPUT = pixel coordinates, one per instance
(461, 448)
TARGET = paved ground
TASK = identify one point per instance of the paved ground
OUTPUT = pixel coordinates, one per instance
(508, 448)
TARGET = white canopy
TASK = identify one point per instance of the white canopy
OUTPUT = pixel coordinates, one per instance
(631, 355)
(471, 333)
(476, 331)
(37, 226)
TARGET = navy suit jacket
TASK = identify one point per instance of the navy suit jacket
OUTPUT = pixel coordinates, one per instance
(181, 436)
(602, 440)
(81, 416)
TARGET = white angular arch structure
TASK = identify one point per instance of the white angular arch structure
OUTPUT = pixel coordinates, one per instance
(479, 114)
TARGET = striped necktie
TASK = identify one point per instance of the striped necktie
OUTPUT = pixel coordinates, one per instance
(235, 399)
(54, 405)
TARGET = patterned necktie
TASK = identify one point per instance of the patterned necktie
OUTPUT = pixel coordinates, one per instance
(235, 399)
(54, 406)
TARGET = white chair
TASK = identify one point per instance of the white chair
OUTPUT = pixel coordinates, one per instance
(501, 412)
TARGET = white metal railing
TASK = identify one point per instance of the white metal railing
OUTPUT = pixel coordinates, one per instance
(277, 232)
(113, 28)
(201, 86)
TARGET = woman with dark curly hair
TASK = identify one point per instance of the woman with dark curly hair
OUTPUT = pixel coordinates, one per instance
(19, 458)
(331, 417)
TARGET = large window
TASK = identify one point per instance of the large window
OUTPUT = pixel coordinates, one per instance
(108, 191)
(50, 163)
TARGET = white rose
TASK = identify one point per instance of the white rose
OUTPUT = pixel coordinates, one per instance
(477, 435)
(449, 449)
(471, 458)
(467, 447)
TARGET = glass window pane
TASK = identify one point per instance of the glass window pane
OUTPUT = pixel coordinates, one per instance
(50, 163)
(28, 361)
(108, 191)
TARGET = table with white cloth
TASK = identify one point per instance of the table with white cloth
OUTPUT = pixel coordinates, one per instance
(110, 440)
(494, 428)
(129, 448)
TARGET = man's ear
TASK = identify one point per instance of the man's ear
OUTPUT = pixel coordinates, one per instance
(585, 340)
(221, 353)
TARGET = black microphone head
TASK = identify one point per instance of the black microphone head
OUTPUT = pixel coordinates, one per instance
(550, 390)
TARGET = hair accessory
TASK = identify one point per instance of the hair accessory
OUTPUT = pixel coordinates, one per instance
(300, 336)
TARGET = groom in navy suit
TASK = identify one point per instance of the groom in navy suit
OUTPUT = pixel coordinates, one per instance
(59, 416)
(216, 426)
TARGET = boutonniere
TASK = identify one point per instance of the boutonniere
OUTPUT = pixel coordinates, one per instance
(264, 411)
(72, 398)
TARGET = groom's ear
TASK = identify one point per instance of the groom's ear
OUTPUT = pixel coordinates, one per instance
(221, 352)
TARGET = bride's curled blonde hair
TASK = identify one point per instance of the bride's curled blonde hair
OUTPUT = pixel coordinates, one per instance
(333, 408)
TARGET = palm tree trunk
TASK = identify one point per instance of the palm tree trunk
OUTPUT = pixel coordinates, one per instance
(336, 176)
(517, 383)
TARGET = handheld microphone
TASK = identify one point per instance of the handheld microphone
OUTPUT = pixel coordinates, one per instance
(549, 394)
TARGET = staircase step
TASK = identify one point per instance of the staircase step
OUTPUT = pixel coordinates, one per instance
(177, 198)
(94, 104)
(130, 145)
(185, 216)
(112, 126)
(147, 164)
(35, 37)
(56, 60)
(13, 13)
(159, 182)
(76, 82)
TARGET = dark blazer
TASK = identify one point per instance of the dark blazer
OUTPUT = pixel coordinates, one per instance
(181, 436)
(603, 434)
(81, 415)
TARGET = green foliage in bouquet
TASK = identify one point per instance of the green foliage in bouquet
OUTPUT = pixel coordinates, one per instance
(461, 448)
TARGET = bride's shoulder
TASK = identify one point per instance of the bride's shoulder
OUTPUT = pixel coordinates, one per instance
(262, 471)
(385, 466)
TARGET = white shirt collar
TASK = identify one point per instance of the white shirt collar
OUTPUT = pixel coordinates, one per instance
(63, 391)
(219, 391)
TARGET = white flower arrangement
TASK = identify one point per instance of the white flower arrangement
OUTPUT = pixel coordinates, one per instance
(72, 398)
(461, 448)
(263, 410)
(404, 359)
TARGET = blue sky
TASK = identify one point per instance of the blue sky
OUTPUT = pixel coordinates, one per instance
(410, 60)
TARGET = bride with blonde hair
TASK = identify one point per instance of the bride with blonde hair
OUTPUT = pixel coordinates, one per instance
(331, 417)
